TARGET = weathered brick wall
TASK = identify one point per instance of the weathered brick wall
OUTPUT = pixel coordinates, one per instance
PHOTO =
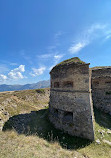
(101, 89)
(70, 100)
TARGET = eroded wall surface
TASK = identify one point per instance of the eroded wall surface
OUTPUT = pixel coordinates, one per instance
(71, 101)
(101, 89)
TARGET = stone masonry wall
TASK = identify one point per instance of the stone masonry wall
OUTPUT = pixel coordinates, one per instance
(70, 100)
(101, 89)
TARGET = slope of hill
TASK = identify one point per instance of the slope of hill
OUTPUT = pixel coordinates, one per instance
(27, 131)
(40, 84)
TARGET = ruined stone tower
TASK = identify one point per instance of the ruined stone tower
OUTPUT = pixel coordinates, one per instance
(70, 98)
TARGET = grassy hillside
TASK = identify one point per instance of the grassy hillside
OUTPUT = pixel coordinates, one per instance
(28, 132)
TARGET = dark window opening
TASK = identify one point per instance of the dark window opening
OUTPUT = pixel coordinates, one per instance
(108, 82)
(96, 83)
(68, 117)
(108, 93)
(55, 112)
(56, 85)
(68, 84)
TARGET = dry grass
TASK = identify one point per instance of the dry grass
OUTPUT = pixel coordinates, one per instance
(40, 139)
(24, 101)
(20, 146)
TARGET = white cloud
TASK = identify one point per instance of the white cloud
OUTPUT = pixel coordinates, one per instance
(13, 74)
(58, 57)
(17, 73)
(37, 72)
(77, 47)
(2, 78)
(87, 36)
(95, 27)
(21, 68)
(101, 31)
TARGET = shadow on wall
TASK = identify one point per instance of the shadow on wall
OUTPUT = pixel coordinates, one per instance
(37, 123)
(102, 118)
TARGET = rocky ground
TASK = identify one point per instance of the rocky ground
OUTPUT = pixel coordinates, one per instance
(27, 132)
(19, 102)
(4, 116)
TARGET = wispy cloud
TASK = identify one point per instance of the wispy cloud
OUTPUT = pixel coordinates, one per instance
(58, 34)
(38, 72)
(56, 43)
(87, 36)
(75, 48)
(45, 56)
(13, 64)
(3, 78)
(96, 27)
(107, 33)
(108, 36)
(3, 68)
(58, 57)
(55, 56)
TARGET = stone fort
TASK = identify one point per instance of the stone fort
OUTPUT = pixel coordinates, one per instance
(75, 88)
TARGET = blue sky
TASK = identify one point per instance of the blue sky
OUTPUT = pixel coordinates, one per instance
(35, 35)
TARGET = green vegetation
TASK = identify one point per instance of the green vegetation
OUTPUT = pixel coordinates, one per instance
(100, 67)
(36, 137)
(75, 60)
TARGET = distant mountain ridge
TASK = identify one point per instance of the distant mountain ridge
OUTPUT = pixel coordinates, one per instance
(40, 84)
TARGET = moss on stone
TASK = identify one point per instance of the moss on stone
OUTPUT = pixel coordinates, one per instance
(75, 60)
(100, 67)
